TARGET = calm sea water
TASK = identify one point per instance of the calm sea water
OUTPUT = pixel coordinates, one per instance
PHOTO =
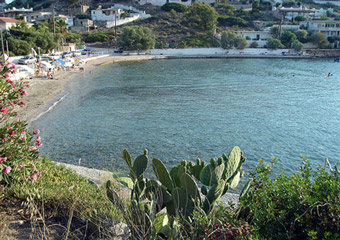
(184, 109)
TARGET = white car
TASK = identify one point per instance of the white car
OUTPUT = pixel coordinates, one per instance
(27, 60)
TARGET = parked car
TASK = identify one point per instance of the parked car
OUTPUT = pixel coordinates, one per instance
(118, 50)
(66, 54)
(76, 53)
(85, 51)
(27, 60)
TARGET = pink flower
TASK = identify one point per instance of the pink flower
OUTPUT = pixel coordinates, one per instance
(38, 142)
(3, 159)
(7, 74)
(13, 65)
(34, 168)
(12, 104)
(34, 177)
(4, 110)
(12, 133)
(4, 139)
(7, 170)
(32, 148)
(8, 80)
(21, 166)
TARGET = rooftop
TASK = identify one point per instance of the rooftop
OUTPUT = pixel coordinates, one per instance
(7, 20)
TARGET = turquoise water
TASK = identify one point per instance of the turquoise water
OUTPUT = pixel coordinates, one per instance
(184, 109)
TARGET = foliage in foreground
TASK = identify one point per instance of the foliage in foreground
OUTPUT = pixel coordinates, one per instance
(59, 191)
(177, 192)
(305, 205)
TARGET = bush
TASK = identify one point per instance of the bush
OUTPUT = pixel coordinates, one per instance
(302, 206)
(97, 37)
(199, 41)
(254, 45)
(300, 18)
(232, 21)
(82, 16)
(297, 46)
(137, 38)
(273, 43)
(18, 149)
(320, 40)
(173, 6)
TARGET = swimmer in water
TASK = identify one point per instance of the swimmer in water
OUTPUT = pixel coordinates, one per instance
(329, 75)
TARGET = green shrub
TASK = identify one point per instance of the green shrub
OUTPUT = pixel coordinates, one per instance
(300, 18)
(200, 41)
(175, 6)
(273, 43)
(232, 21)
(97, 37)
(254, 45)
(302, 206)
(82, 16)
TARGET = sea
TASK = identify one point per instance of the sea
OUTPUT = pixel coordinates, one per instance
(198, 108)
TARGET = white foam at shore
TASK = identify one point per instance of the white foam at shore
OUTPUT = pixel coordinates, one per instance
(49, 109)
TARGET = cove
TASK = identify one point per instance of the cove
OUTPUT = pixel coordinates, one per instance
(189, 108)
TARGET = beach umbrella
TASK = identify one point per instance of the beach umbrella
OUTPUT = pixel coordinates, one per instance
(61, 61)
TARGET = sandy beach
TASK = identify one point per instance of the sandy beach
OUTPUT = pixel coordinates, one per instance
(44, 92)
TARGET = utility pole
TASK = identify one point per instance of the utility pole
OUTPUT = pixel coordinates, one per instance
(2, 47)
(7, 48)
(2, 8)
(53, 14)
(116, 23)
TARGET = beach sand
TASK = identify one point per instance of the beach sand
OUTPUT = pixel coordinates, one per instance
(44, 92)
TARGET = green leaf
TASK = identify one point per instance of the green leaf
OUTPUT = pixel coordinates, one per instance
(127, 157)
(162, 174)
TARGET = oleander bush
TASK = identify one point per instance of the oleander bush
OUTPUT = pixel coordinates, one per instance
(305, 205)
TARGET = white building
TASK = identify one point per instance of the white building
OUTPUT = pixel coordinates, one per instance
(13, 12)
(260, 37)
(162, 2)
(111, 17)
(309, 13)
(327, 27)
(6, 23)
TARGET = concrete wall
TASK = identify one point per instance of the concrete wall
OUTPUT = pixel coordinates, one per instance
(215, 51)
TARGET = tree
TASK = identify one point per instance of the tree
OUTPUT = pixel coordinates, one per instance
(320, 40)
(137, 38)
(301, 35)
(254, 45)
(297, 46)
(287, 38)
(240, 43)
(300, 18)
(202, 15)
(19, 47)
(97, 37)
(227, 40)
(232, 21)
(273, 43)
(275, 31)
(173, 6)
(226, 9)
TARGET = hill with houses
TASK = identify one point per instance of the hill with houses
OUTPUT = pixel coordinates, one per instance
(255, 21)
